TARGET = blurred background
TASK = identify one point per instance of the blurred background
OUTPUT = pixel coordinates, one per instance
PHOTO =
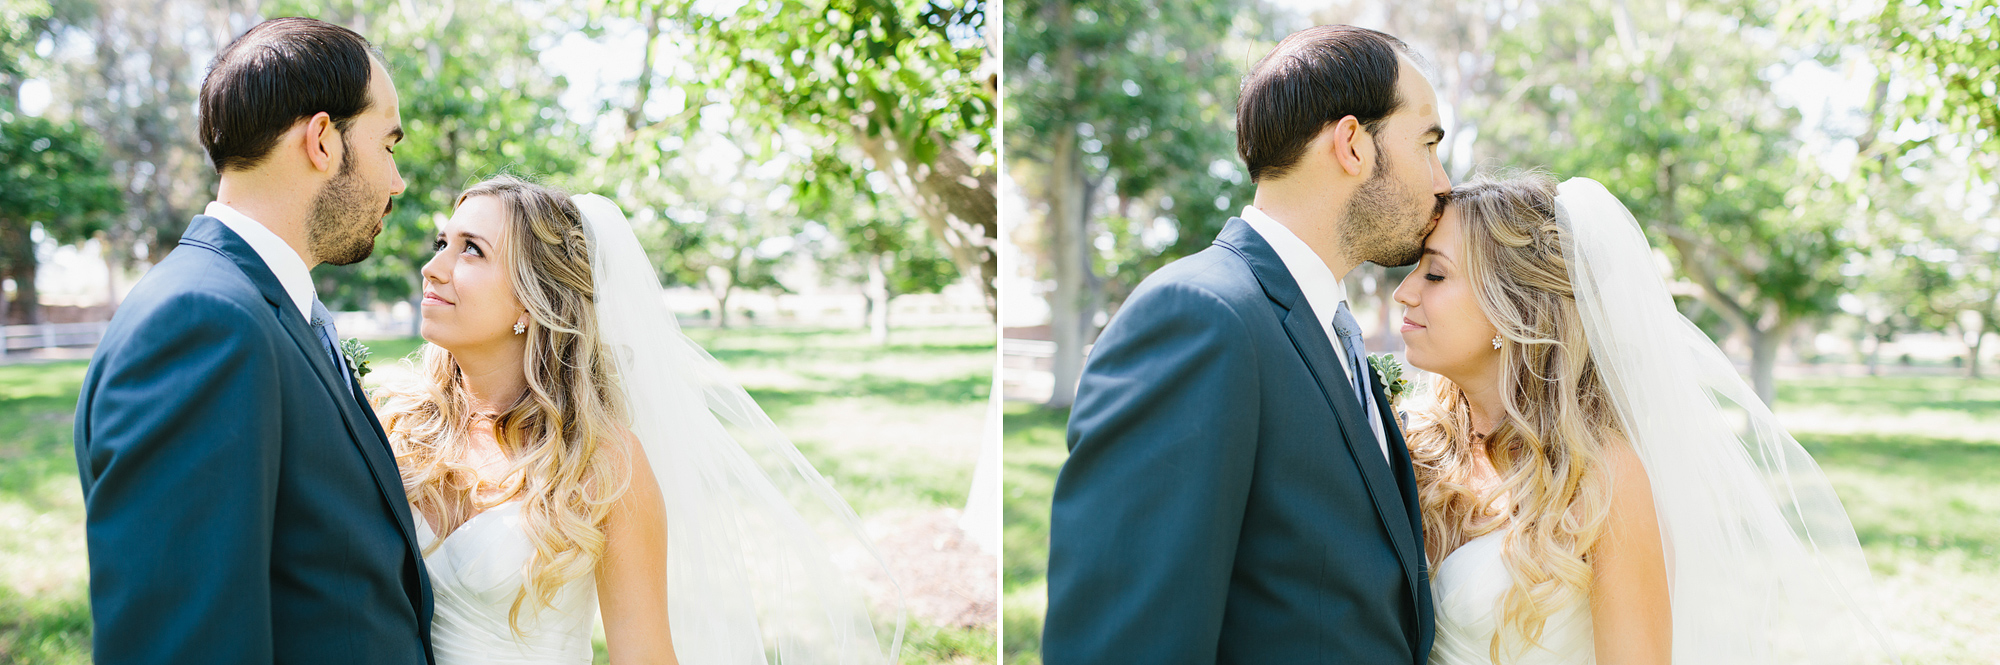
(1818, 180)
(815, 181)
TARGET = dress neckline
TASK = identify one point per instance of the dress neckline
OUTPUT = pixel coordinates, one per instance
(425, 522)
(1461, 546)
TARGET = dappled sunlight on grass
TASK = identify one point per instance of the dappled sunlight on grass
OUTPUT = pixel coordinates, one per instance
(1915, 460)
(896, 428)
(1035, 452)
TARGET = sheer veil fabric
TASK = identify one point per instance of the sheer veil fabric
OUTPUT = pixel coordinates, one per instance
(1763, 563)
(756, 538)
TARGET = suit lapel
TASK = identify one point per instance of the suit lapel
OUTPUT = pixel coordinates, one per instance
(1406, 481)
(208, 233)
(1309, 338)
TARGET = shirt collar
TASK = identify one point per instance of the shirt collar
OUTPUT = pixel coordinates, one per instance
(1324, 292)
(278, 256)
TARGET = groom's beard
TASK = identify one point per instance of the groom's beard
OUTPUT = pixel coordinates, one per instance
(341, 227)
(1383, 226)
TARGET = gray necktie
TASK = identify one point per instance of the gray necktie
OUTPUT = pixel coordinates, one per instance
(322, 321)
(1350, 343)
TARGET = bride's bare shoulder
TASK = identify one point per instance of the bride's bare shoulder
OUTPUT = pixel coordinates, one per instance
(1631, 488)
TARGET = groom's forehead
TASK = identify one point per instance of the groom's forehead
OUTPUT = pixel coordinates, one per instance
(1419, 98)
(382, 90)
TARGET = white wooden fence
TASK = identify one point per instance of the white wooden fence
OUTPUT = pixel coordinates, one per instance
(50, 335)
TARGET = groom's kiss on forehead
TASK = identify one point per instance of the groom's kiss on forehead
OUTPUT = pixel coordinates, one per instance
(304, 138)
(1339, 128)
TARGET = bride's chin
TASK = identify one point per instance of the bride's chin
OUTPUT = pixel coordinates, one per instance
(1417, 360)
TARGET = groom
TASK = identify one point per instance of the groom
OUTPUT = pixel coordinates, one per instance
(1237, 490)
(242, 504)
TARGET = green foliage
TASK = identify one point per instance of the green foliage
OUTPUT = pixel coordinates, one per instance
(476, 103)
(1677, 117)
(899, 70)
(1953, 50)
(1145, 93)
(53, 174)
(872, 228)
(889, 85)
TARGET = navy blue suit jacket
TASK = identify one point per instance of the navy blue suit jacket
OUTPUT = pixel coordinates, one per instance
(241, 504)
(1225, 500)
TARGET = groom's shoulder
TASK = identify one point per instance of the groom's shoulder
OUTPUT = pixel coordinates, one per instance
(1215, 273)
(193, 282)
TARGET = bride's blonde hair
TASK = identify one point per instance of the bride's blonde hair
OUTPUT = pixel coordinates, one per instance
(563, 435)
(1548, 447)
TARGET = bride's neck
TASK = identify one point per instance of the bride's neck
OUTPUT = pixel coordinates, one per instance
(493, 381)
(1487, 406)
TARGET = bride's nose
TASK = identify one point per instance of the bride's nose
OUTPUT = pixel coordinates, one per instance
(433, 271)
(1406, 293)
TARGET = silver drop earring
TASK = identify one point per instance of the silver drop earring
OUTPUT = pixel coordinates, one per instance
(1496, 342)
(520, 327)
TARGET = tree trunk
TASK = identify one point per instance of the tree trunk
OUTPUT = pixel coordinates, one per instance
(1764, 343)
(1978, 341)
(1069, 247)
(1875, 354)
(635, 116)
(878, 301)
(954, 198)
(722, 308)
(20, 263)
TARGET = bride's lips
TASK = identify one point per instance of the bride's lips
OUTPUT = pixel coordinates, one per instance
(1409, 325)
(431, 298)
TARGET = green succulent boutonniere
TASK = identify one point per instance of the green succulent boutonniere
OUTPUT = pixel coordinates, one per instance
(1391, 373)
(357, 357)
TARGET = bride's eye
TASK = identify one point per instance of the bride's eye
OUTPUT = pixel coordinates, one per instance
(437, 245)
(1434, 277)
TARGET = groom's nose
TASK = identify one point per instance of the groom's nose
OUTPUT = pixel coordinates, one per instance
(1440, 181)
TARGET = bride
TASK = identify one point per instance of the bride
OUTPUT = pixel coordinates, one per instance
(564, 451)
(1597, 484)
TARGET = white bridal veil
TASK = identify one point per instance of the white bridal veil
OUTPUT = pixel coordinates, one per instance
(1763, 563)
(755, 537)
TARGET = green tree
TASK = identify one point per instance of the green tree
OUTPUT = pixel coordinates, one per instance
(52, 179)
(897, 85)
(1674, 112)
(1122, 128)
(878, 237)
(1949, 56)
(133, 85)
(52, 174)
(476, 102)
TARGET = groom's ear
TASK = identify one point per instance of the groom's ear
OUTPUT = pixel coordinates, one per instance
(1348, 144)
(322, 143)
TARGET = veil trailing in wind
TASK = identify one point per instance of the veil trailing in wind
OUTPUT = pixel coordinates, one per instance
(1763, 563)
(756, 538)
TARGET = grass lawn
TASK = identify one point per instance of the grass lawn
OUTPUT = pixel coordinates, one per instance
(1916, 462)
(896, 429)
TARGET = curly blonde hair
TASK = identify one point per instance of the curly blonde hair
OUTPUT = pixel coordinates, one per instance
(1548, 448)
(562, 435)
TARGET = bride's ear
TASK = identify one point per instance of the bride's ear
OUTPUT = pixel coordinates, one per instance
(1348, 143)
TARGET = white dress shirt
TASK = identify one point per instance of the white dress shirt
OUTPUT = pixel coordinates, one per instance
(278, 256)
(1324, 292)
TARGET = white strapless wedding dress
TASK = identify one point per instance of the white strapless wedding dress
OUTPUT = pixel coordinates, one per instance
(1466, 591)
(475, 575)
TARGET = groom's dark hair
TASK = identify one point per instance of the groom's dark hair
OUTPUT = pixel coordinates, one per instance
(1312, 79)
(280, 72)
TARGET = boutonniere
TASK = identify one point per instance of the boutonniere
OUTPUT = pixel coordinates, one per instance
(1391, 373)
(357, 357)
